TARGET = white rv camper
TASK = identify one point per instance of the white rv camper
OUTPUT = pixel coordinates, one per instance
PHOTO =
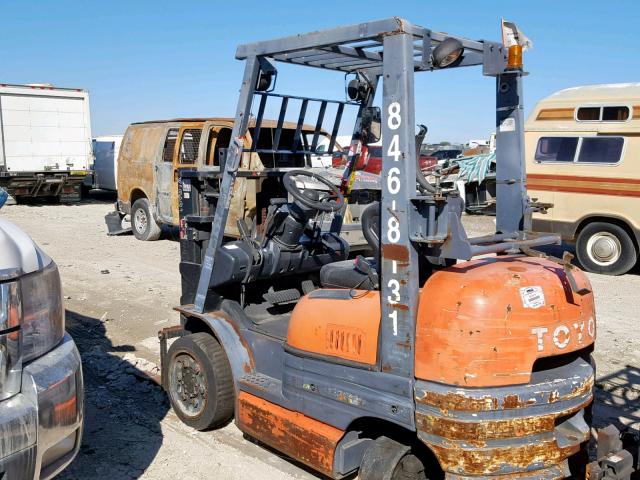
(45, 141)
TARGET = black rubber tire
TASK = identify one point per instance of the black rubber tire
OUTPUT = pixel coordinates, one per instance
(386, 459)
(212, 360)
(151, 230)
(628, 252)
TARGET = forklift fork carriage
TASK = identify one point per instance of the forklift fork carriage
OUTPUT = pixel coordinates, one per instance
(476, 370)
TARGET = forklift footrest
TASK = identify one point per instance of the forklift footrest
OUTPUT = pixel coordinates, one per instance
(283, 296)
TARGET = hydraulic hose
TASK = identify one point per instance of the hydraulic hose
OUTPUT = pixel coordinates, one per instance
(422, 180)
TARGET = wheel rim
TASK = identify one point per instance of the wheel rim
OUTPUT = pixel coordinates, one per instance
(188, 385)
(140, 220)
(604, 249)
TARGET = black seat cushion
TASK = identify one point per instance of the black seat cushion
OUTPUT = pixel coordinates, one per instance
(360, 273)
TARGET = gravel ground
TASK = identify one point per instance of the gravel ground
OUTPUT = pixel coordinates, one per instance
(119, 292)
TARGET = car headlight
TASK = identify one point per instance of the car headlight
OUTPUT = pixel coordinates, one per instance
(10, 336)
(31, 323)
(42, 322)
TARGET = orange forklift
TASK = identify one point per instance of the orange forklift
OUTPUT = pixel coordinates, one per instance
(420, 361)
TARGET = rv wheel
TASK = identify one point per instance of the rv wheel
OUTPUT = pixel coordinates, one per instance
(199, 381)
(386, 459)
(143, 224)
(606, 248)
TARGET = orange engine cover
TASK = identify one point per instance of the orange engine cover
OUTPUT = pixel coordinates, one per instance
(484, 323)
(337, 327)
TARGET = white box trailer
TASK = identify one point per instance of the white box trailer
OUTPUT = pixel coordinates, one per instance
(45, 141)
(105, 163)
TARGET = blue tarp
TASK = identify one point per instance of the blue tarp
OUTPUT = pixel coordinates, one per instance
(475, 168)
(3, 197)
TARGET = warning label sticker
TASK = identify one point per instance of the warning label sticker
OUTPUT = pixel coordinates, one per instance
(532, 297)
(508, 125)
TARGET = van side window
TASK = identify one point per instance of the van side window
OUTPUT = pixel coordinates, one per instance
(556, 149)
(603, 114)
(601, 149)
(223, 141)
(189, 145)
(169, 145)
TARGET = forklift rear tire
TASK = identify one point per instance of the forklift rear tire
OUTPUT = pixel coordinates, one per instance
(605, 248)
(143, 224)
(387, 459)
(200, 383)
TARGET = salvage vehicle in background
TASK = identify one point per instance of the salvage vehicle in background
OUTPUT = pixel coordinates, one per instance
(153, 154)
(582, 148)
(41, 384)
(46, 141)
(371, 160)
(103, 174)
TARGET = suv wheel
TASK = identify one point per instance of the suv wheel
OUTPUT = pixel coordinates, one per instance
(142, 222)
(606, 248)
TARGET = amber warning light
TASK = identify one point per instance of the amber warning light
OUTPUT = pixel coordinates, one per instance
(515, 57)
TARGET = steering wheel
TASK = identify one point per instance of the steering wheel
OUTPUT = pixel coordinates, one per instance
(309, 197)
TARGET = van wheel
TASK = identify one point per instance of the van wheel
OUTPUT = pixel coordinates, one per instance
(199, 381)
(386, 459)
(142, 222)
(606, 248)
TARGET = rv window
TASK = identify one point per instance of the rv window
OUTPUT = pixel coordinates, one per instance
(589, 113)
(604, 114)
(615, 114)
(556, 149)
(601, 149)
(189, 145)
(169, 145)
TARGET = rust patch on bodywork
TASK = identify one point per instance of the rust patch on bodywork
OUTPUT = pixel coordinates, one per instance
(456, 400)
(395, 252)
(187, 311)
(492, 461)
(225, 317)
(491, 432)
(477, 432)
(302, 438)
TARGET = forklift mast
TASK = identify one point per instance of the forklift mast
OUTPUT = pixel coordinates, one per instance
(413, 217)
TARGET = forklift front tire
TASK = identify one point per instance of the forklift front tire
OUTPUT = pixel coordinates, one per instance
(386, 459)
(200, 383)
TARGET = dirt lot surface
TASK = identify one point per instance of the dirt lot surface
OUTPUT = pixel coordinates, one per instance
(119, 292)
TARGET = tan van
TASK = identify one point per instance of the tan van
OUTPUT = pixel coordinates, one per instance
(153, 153)
(583, 156)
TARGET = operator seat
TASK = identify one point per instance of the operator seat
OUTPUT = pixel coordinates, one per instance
(361, 273)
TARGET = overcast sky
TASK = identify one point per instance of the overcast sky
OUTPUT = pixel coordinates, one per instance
(144, 60)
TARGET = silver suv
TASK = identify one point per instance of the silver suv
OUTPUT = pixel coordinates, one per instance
(41, 386)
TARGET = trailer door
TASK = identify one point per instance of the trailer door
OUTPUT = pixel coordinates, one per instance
(103, 166)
